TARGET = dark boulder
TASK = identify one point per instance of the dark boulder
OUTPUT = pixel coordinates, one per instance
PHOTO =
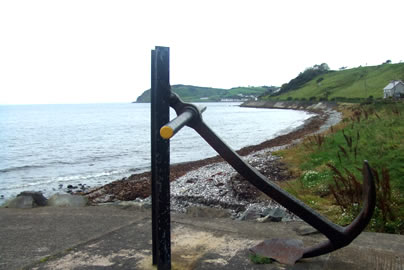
(38, 198)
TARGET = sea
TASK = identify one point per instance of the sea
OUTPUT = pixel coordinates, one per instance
(48, 147)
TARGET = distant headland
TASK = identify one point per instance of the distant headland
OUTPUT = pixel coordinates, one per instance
(190, 93)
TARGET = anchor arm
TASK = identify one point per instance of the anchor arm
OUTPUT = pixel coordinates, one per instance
(338, 236)
(351, 231)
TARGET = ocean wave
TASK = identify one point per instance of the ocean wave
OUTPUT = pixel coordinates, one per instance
(64, 179)
(20, 168)
(81, 177)
(28, 185)
(58, 162)
(140, 169)
(53, 163)
(104, 157)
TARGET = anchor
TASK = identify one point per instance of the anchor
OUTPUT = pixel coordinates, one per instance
(191, 115)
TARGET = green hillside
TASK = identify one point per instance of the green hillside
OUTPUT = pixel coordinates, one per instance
(191, 93)
(360, 82)
(255, 91)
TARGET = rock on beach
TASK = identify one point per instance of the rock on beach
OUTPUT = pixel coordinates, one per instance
(67, 200)
(31, 199)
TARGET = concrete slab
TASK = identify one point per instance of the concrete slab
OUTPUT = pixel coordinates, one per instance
(106, 237)
(28, 235)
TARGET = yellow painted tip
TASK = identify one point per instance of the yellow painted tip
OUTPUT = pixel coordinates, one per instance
(166, 132)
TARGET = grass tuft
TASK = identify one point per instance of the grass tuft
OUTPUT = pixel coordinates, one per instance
(257, 259)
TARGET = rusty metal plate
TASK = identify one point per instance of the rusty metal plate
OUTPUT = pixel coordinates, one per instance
(286, 251)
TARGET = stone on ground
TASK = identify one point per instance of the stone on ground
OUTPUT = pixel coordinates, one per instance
(67, 200)
(37, 196)
(23, 202)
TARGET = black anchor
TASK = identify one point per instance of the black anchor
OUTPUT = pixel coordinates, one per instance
(191, 115)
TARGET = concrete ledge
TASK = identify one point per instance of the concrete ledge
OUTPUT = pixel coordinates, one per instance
(109, 237)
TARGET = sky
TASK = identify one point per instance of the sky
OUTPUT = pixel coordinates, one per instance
(97, 51)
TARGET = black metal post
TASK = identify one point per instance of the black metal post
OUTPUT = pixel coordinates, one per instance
(153, 154)
(160, 158)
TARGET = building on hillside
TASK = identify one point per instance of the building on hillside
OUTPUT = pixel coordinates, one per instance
(394, 89)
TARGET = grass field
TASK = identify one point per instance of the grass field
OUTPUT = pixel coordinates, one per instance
(327, 166)
(360, 82)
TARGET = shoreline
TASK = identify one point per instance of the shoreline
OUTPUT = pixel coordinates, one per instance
(138, 186)
(71, 180)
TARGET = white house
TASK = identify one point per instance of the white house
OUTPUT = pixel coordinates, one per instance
(394, 89)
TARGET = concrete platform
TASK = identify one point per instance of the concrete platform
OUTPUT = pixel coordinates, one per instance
(107, 237)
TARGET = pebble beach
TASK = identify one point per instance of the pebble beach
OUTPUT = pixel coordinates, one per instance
(213, 183)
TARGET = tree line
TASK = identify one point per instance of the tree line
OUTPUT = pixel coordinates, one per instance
(307, 75)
